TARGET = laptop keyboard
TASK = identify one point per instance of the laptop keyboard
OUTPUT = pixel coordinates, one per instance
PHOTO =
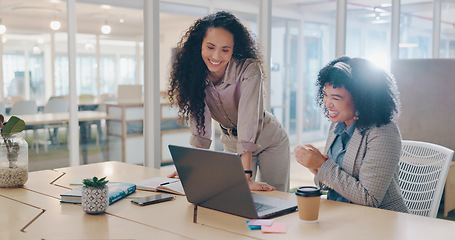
(262, 207)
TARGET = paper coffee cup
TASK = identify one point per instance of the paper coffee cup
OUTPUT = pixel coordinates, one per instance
(308, 199)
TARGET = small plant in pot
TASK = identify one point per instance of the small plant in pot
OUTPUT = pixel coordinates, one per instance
(13, 153)
(95, 197)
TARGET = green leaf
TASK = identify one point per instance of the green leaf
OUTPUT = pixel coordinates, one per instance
(94, 182)
(13, 126)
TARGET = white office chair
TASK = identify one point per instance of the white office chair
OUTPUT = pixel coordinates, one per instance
(103, 100)
(2, 108)
(24, 107)
(423, 173)
(86, 99)
(54, 105)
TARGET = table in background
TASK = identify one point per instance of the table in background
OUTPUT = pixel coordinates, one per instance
(34, 212)
(85, 118)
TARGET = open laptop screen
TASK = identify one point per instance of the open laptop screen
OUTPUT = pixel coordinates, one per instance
(216, 180)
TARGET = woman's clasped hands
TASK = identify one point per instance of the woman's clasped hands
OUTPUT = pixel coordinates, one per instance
(310, 157)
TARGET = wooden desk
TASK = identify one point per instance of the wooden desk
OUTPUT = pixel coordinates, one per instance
(38, 214)
(85, 118)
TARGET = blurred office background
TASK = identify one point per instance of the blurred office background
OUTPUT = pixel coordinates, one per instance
(297, 37)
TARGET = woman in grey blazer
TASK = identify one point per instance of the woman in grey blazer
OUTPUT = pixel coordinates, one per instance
(360, 160)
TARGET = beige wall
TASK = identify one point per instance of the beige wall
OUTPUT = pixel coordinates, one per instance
(427, 92)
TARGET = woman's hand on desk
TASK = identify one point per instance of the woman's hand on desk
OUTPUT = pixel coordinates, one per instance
(260, 186)
(173, 175)
(310, 157)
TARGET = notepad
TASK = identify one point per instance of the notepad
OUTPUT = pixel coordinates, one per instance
(170, 185)
(253, 227)
(261, 222)
(276, 227)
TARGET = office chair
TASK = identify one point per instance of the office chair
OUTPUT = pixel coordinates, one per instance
(2, 108)
(25, 107)
(422, 176)
(54, 105)
(86, 99)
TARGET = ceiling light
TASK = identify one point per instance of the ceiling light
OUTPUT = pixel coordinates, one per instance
(36, 50)
(89, 46)
(55, 25)
(106, 29)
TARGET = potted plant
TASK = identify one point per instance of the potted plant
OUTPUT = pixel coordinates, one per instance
(94, 197)
(13, 153)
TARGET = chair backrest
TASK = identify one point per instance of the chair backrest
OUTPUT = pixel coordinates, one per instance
(56, 105)
(104, 99)
(2, 108)
(423, 173)
(107, 97)
(24, 107)
(129, 94)
(86, 98)
(11, 100)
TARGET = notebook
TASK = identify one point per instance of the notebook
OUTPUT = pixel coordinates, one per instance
(216, 180)
(163, 184)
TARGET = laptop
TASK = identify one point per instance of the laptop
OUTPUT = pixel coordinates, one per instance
(216, 180)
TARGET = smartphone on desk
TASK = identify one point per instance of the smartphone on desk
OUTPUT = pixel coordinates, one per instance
(153, 199)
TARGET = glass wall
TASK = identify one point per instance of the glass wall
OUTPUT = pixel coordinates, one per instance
(368, 28)
(319, 50)
(447, 44)
(23, 70)
(416, 29)
(175, 19)
(301, 46)
(283, 76)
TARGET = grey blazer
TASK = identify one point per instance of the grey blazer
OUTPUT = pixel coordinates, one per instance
(370, 168)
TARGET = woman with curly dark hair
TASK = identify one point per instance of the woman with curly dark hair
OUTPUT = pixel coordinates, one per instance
(217, 74)
(360, 164)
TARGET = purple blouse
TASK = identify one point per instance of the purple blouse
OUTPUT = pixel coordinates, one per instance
(236, 102)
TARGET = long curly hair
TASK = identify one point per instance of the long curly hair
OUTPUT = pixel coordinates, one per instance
(188, 79)
(373, 90)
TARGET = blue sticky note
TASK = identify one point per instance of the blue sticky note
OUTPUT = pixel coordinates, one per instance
(253, 227)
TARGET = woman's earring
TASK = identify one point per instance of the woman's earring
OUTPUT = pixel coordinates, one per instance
(356, 115)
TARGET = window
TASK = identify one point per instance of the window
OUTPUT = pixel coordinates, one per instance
(107, 76)
(368, 27)
(415, 30)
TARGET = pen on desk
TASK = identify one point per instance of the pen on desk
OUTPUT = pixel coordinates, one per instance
(166, 183)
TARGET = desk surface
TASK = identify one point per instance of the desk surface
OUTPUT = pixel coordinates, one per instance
(50, 118)
(35, 211)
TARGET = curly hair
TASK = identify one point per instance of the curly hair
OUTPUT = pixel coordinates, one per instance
(188, 79)
(374, 91)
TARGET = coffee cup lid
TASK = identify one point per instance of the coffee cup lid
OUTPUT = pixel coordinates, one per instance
(308, 191)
